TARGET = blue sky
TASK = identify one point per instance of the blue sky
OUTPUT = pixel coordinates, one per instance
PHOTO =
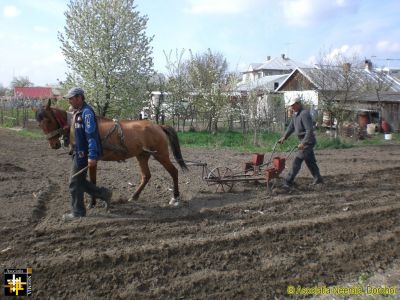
(244, 31)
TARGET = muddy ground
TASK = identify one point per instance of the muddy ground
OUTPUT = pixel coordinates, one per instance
(245, 244)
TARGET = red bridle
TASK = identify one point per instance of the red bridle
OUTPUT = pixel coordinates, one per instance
(62, 123)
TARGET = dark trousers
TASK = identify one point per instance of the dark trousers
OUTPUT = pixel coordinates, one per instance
(308, 156)
(79, 185)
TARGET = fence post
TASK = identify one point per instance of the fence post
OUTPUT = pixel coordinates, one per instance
(2, 112)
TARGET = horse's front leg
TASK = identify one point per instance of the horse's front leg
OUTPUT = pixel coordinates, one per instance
(92, 177)
(143, 161)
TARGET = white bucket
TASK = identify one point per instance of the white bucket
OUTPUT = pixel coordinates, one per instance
(371, 128)
(388, 136)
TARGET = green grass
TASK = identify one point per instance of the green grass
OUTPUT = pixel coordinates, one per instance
(238, 141)
(33, 134)
(325, 142)
(244, 142)
(379, 139)
(227, 139)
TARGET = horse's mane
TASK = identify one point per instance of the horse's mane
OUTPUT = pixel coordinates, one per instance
(41, 111)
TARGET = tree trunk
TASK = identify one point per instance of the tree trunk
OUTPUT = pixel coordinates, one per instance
(255, 136)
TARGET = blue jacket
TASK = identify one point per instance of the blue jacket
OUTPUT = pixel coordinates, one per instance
(87, 137)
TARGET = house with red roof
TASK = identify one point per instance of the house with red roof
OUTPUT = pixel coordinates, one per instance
(36, 93)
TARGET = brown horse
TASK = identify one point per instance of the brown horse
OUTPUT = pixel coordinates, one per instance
(122, 140)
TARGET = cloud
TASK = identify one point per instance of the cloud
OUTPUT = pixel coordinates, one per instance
(307, 12)
(218, 6)
(298, 12)
(388, 46)
(11, 11)
(346, 51)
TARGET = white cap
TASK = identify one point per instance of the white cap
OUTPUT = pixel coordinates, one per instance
(294, 100)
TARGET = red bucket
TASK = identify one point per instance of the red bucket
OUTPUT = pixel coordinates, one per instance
(279, 163)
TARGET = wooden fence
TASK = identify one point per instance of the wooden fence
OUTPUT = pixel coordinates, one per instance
(16, 113)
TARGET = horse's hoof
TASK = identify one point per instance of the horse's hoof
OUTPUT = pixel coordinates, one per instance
(174, 201)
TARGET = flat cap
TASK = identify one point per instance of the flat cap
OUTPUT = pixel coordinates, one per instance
(75, 91)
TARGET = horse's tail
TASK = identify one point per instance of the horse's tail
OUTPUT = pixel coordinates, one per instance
(174, 143)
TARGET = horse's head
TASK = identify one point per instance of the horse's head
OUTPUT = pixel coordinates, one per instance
(53, 124)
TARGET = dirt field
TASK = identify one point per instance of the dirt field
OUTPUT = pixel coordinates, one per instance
(245, 244)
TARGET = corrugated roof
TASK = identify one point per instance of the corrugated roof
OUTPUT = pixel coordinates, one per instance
(265, 83)
(322, 78)
(280, 63)
(384, 97)
(34, 92)
(252, 67)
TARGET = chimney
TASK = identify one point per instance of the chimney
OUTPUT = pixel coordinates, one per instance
(346, 67)
(368, 65)
(283, 55)
(268, 57)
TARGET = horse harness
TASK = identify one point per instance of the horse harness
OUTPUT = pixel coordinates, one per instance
(119, 148)
(63, 127)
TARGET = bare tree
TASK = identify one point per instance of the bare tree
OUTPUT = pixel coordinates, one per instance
(179, 101)
(378, 82)
(20, 81)
(208, 77)
(157, 83)
(339, 81)
(3, 91)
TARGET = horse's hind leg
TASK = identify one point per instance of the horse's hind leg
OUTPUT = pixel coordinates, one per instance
(167, 164)
(143, 160)
(93, 177)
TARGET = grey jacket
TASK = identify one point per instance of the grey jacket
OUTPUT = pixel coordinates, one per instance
(302, 125)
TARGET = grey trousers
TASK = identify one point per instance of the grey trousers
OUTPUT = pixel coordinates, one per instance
(308, 156)
(80, 185)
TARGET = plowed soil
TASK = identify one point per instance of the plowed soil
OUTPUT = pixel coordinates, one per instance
(244, 244)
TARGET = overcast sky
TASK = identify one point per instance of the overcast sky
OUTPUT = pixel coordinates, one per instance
(244, 31)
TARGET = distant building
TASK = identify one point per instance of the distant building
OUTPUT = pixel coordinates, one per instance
(264, 79)
(301, 83)
(272, 70)
(36, 93)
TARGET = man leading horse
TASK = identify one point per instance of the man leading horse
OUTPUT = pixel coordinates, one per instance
(120, 140)
(86, 153)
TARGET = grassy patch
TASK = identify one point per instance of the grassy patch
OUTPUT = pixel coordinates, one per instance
(239, 141)
(33, 134)
(228, 139)
(324, 142)
(244, 142)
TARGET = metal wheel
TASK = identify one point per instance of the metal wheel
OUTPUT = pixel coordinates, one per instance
(221, 177)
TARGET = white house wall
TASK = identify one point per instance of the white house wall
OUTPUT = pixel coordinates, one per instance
(307, 96)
